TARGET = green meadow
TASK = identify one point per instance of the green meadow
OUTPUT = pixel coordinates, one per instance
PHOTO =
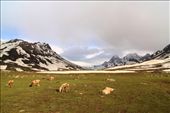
(134, 93)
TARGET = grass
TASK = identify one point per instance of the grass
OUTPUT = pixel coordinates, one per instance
(134, 93)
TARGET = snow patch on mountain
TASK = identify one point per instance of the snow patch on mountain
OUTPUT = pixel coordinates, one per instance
(155, 64)
(22, 55)
(134, 58)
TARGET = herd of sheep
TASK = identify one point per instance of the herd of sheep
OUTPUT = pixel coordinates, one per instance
(65, 87)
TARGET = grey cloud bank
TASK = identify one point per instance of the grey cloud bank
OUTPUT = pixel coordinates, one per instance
(95, 29)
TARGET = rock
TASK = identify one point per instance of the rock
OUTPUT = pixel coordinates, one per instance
(111, 80)
(22, 110)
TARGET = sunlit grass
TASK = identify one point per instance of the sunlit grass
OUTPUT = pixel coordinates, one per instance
(134, 93)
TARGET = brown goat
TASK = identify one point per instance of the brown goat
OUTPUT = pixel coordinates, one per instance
(35, 83)
(10, 83)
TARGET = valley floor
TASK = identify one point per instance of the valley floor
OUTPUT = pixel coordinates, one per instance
(134, 93)
(87, 72)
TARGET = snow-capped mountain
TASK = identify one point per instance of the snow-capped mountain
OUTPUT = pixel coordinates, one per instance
(134, 58)
(153, 65)
(114, 61)
(131, 58)
(162, 54)
(146, 57)
(22, 55)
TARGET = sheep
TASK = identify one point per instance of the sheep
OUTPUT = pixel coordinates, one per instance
(10, 83)
(110, 80)
(50, 78)
(35, 83)
(17, 76)
(64, 87)
(107, 90)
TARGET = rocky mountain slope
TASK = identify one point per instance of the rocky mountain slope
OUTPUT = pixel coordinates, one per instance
(154, 65)
(22, 55)
(162, 54)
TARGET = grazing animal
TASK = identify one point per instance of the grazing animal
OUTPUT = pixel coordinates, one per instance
(17, 76)
(111, 80)
(50, 78)
(107, 90)
(64, 87)
(35, 83)
(10, 83)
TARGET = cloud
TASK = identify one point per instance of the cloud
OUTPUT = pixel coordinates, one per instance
(93, 55)
(81, 63)
(80, 52)
(139, 52)
(57, 49)
(77, 28)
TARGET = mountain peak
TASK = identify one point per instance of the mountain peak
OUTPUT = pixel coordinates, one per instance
(32, 56)
(115, 56)
(133, 58)
(162, 54)
(14, 40)
(167, 48)
(132, 55)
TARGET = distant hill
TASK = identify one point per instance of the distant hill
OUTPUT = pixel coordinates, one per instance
(134, 58)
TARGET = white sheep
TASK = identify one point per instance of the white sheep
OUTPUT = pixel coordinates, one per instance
(64, 87)
(107, 90)
(50, 78)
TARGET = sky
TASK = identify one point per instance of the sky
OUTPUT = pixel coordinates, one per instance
(89, 32)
